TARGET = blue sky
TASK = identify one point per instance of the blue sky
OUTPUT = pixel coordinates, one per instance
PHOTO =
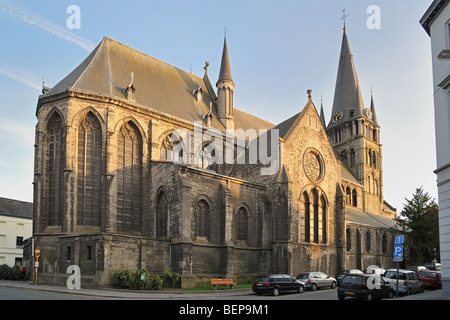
(278, 50)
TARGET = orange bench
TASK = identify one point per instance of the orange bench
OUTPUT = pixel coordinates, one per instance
(222, 282)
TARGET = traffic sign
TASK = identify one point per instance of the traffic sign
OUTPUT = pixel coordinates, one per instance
(398, 253)
(399, 239)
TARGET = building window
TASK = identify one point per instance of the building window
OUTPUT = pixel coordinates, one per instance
(68, 253)
(55, 166)
(89, 175)
(368, 242)
(171, 150)
(89, 253)
(374, 159)
(348, 196)
(208, 155)
(316, 215)
(19, 242)
(352, 157)
(384, 243)
(354, 198)
(129, 178)
(162, 215)
(306, 207)
(202, 218)
(242, 224)
(323, 217)
(348, 239)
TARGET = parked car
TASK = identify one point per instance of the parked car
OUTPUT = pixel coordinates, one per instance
(276, 284)
(314, 280)
(433, 266)
(430, 278)
(408, 281)
(417, 269)
(364, 286)
(343, 273)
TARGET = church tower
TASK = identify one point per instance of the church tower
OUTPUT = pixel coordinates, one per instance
(225, 87)
(354, 131)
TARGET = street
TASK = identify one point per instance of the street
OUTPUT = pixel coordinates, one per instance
(24, 291)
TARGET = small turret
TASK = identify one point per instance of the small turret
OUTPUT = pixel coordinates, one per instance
(225, 88)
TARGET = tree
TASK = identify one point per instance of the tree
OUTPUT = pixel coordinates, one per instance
(419, 222)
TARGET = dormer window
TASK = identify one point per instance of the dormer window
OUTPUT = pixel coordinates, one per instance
(198, 94)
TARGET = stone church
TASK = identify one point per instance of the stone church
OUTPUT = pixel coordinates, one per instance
(141, 165)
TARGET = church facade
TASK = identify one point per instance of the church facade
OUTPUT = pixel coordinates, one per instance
(141, 165)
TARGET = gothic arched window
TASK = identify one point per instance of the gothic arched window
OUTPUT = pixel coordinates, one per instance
(374, 159)
(202, 219)
(352, 157)
(368, 242)
(89, 171)
(242, 224)
(162, 216)
(384, 243)
(354, 198)
(348, 239)
(168, 148)
(316, 215)
(129, 177)
(55, 166)
(306, 208)
(323, 216)
(348, 196)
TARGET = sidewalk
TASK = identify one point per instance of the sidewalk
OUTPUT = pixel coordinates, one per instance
(110, 293)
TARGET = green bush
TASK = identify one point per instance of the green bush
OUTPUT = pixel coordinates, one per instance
(8, 273)
(156, 283)
(170, 278)
(138, 279)
(123, 278)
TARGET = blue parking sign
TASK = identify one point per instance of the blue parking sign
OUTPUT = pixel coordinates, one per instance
(398, 253)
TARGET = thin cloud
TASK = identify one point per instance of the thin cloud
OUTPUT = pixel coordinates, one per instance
(19, 75)
(21, 14)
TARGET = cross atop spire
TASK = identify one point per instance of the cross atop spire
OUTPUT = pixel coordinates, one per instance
(344, 17)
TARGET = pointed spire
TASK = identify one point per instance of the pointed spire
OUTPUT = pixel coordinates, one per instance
(374, 114)
(322, 113)
(345, 99)
(225, 69)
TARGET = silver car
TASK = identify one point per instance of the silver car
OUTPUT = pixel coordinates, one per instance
(408, 281)
(317, 279)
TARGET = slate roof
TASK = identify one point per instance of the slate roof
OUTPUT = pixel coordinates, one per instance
(160, 86)
(357, 216)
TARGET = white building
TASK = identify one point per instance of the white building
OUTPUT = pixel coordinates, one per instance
(436, 23)
(16, 225)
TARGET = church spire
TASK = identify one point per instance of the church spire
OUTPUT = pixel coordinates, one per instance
(225, 91)
(225, 69)
(374, 114)
(346, 103)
